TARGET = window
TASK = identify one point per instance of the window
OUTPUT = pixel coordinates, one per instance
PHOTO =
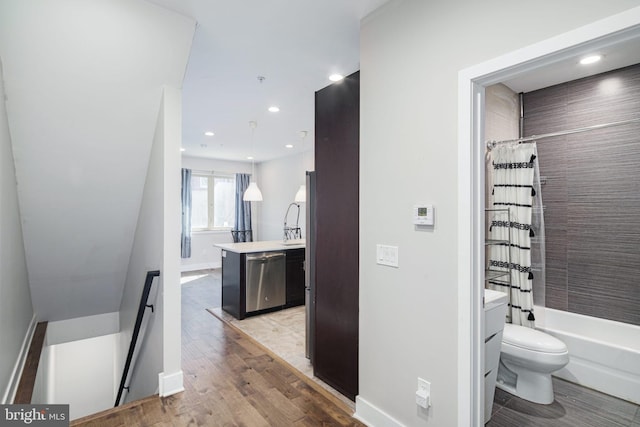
(213, 199)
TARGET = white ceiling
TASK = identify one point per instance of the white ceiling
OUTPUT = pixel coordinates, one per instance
(614, 56)
(295, 45)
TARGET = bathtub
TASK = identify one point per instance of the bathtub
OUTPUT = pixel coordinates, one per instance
(604, 355)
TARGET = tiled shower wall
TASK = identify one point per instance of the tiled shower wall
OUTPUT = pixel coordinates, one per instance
(592, 193)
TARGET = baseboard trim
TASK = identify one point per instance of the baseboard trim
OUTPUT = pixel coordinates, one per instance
(373, 416)
(10, 393)
(201, 266)
(170, 384)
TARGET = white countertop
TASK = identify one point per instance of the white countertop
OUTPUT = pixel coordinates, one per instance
(493, 298)
(264, 246)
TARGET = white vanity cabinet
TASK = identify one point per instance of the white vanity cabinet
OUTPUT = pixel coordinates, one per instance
(495, 311)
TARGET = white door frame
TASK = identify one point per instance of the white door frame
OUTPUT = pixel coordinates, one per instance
(471, 84)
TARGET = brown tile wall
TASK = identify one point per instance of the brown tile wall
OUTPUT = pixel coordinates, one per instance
(592, 193)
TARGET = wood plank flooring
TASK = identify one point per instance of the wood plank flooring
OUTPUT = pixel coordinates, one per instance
(28, 377)
(230, 380)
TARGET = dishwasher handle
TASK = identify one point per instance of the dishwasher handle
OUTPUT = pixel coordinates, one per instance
(266, 257)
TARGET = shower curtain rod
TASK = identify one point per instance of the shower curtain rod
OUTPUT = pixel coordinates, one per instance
(491, 144)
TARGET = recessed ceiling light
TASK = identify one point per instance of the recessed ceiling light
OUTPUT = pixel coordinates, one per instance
(289, 146)
(591, 59)
(249, 157)
(274, 109)
(209, 133)
(336, 77)
(182, 149)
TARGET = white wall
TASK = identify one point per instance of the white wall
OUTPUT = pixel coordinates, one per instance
(81, 328)
(203, 252)
(501, 121)
(16, 311)
(170, 379)
(81, 374)
(156, 247)
(411, 52)
(501, 113)
(279, 180)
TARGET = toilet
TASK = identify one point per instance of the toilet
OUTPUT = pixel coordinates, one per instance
(527, 359)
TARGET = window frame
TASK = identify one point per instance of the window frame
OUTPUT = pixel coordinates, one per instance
(211, 200)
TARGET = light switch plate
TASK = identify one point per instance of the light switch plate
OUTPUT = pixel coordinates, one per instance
(423, 395)
(387, 255)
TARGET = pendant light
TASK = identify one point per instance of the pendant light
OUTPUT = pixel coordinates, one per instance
(301, 194)
(252, 193)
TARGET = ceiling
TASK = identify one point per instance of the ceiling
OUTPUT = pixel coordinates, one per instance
(615, 55)
(295, 45)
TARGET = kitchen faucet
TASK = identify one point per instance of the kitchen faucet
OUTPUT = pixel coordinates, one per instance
(292, 232)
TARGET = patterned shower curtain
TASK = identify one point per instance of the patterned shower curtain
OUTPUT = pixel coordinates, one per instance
(510, 220)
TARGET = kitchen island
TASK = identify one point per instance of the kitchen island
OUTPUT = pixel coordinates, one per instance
(259, 277)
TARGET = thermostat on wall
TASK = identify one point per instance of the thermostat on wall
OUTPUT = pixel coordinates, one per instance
(423, 214)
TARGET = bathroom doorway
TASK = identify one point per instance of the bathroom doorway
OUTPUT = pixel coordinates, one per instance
(545, 59)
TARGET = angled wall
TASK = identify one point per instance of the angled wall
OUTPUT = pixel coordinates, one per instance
(16, 311)
(85, 80)
(156, 247)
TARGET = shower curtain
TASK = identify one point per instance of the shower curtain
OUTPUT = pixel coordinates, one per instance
(514, 197)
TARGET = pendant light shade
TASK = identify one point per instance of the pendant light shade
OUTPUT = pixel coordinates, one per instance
(252, 193)
(301, 195)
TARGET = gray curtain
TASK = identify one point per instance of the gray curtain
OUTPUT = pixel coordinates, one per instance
(243, 209)
(185, 242)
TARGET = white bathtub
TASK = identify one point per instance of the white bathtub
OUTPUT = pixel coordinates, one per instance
(604, 355)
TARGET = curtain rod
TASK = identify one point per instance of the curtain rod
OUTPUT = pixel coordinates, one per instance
(491, 144)
(210, 172)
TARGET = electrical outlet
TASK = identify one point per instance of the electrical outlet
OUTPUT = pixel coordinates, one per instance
(423, 395)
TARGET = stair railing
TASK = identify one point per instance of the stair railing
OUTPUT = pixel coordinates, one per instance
(136, 330)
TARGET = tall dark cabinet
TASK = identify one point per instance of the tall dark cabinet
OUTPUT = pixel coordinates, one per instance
(337, 136)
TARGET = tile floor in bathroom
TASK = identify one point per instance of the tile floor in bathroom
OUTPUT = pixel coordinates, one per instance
(573, 406)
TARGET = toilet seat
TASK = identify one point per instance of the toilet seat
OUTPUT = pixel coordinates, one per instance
(531, 339)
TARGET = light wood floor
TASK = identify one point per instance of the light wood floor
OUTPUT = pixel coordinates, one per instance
(230, 380)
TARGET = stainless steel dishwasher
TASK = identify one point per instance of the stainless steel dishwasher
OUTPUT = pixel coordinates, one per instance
(265, 280)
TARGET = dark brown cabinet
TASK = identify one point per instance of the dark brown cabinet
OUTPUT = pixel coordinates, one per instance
(295, 277)
(233, 283)
(335, 347)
